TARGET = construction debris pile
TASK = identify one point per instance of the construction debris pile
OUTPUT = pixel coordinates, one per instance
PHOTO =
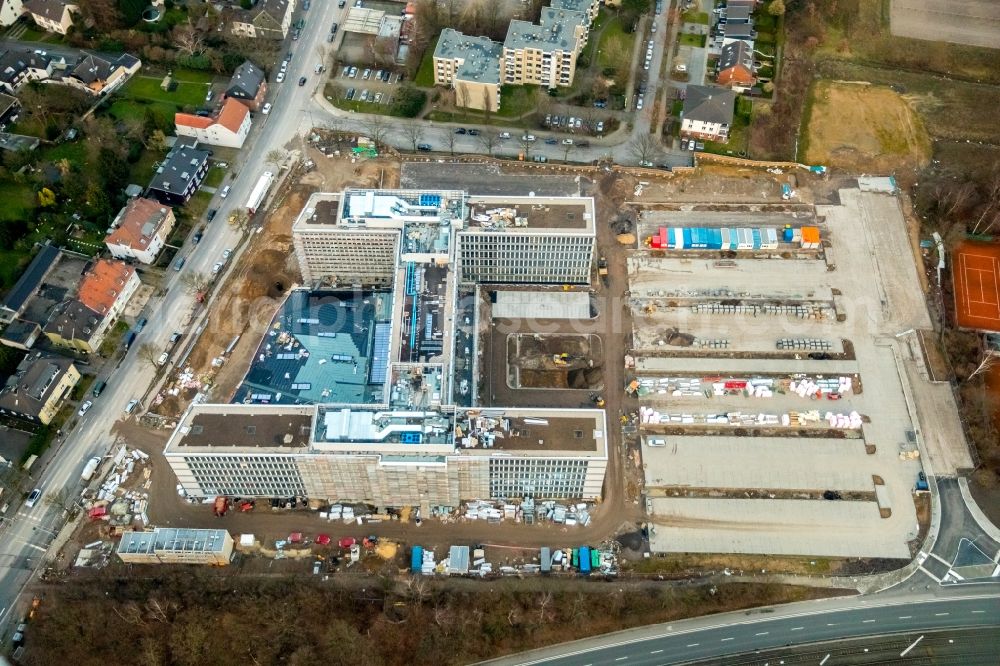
(812, 388)
(811, 418)
(527, 511)
(113, 502)
(499, 218)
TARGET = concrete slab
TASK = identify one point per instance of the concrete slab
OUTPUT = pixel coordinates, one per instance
(792, 279)
(720, 366)
(743, 334)
(774, 463)
(773, 527)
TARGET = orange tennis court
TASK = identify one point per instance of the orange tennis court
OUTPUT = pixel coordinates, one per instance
(976, 270)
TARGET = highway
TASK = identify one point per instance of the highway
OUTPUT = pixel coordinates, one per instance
(767, 628)
(29, 531)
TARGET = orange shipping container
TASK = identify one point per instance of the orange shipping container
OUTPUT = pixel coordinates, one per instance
(810, 235)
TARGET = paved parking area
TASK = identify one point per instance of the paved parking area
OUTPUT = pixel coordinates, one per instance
(771, 527)
(485, 179)
(770, 463)
(876, 277)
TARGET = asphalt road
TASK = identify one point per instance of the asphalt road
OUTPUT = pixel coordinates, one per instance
(30, 530)
(768, 628)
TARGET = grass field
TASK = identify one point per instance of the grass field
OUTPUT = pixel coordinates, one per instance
(190, 90)
(214, 177)
(615, 48)
(425, 74)
(861, 128)
(18, 201)
(687, 39)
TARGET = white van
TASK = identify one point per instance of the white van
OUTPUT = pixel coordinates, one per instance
(656, 441)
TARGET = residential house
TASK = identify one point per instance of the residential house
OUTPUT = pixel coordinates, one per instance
(544, 54)
(38, 387)
(98, 76)
(180, 174)
(83, 322)
(19, 66)
(9, 107)
(736, 66)
(267, 19)
(10, 11)
(16, 300)
(708, 113)
(52, 15)
(248, 85)
(470, 65)
(229, 128)
(588, 7)
(20, 334)
(140, 230)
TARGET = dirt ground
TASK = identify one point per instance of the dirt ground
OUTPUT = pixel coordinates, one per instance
(864, 129)
(531, 361)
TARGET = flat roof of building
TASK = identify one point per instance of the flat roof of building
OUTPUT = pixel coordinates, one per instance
(321, 210)
(531, 214)
(327, 346)
(557, 35)
(375, 428)
(480, 56)
(488, 430)
(172, 540)
(248, 426)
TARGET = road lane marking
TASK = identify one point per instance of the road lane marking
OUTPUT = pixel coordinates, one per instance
(867, 621)
(796, 628)
(762, 633)
(725, 639)
(905, 617)
(974, 612)
(941, 614)
(824, 659)
(694, 644)
(655, 651)
(621, 658)
(912, 645)
(831, 624)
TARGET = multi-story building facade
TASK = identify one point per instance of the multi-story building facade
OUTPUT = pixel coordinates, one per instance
(544, 54)
(389, 343)
(707, 113)
(38, 387)
(140, 230)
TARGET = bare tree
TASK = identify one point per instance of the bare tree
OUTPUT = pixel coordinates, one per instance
(275, 157)
(148, 353)
(240, 219)
(488, 140)
(488, 102)
(644, 148)
(377, 129)
(448, 136)
(989, 215)
(413, 130)
(188, 39)
(321, 53)
(195, 282)
(566, 148)
(988, 361)
(525, 145)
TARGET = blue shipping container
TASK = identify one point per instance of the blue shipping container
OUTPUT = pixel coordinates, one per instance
(416, 559)
(734, 239)
(788, 235)
(756, 238)
(585, 560)
(686, 233)
(714, 240)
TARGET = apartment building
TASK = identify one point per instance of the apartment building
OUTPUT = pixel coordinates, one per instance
(470, 65)
(167, 545)
(38, 387)
(228, 128)
(140, 230)
(707, 113)
(52, 15)
(544, 54)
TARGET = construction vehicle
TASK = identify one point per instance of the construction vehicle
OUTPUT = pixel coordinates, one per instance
(597, 399)
(602, 270)
(560, 359)
(220, 506)
(246, 506)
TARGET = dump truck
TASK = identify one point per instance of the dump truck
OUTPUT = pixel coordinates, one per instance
(602, 270)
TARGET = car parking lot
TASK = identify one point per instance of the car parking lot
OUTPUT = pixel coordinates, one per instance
(739, 468)
(368, 84)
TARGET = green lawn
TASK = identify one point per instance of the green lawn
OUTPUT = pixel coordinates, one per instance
(11, 266)
(198, 204)
(615, 46)
(33, 35)
(215, 177)
(187, 93)
(18, 201)
(692, 16)
(687, 39)
(74, 151)
(516, 101)
(425, 74)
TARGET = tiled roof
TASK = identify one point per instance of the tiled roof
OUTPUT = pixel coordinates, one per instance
(50, 9)
(191, 120)
(103, 284)
(137, 223)
(709, 105)
(232, 115)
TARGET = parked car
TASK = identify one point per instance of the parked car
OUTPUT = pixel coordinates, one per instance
(208, 97)
(579, 123)
(228, 252)
(87, 404)
(196, 238)
(141, 324)
(378, 75)
(225, 191)
(280, 77)
(212, 212)
(583, 144)
(378, 97)
(33, 498)
(162, 360)
(98, 388)
(367, 75)
(364, 96)
(600, 126)
(216, 267)
(330, 38)
(354, 72)
(461, 130)
(302, 81)
(504, 135)
(424, 147)
(179, 264)
(174, 337)
(341, 3)
(473, 132)
(350, 94)
(551, 142)
(567, 142)
(267, 109)
(334, 27)
(132, 404)
(528, 138)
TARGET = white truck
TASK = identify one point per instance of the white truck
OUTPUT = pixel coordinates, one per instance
(90, 468)
(259, 191)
